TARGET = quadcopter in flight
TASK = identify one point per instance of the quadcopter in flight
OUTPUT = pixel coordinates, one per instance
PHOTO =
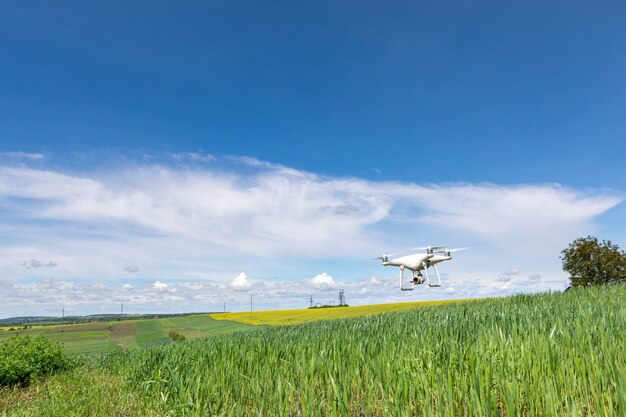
(419, 262)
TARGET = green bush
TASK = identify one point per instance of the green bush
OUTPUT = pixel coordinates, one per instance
(176, 337)
(23, 358)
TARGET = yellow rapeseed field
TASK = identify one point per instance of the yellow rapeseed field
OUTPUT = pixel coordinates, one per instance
(286, 317)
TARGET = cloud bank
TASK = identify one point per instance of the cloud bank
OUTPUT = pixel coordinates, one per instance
(203, 223)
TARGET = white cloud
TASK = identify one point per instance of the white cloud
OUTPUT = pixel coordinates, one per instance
(257, 163)
(276, 211)
(506, 276)
(35, 263)
(160, 286)
(47, 295)
(193, 156)
(241, 281)
(132, 269)
(534, 277)
(195, 223)
(323, 279)
(23, 155)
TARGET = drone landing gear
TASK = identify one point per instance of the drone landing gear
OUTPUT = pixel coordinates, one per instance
(438, 283)
(401, 285)
(416, 279)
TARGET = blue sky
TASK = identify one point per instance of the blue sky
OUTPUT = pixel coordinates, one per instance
(152, 152)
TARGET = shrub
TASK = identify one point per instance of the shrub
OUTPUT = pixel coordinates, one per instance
(176, 337)
(23, 358)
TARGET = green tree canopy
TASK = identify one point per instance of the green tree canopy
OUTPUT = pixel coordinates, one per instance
(590, 262)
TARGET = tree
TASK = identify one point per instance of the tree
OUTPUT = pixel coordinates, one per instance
(592, 263)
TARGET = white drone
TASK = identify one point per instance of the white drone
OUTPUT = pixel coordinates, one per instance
(419, 262)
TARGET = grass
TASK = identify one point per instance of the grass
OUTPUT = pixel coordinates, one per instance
(86, 391)
(288, 317)
(541, 355)
(552, 354)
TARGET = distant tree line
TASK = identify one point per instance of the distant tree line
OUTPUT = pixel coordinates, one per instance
(52, 321)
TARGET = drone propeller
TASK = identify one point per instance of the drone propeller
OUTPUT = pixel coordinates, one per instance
(384, 257)
(451, 250)
(448, 252)
(429, 249)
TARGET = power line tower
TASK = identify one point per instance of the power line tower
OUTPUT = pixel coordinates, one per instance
(121, 311)
(342, 297)
(63, 313)
(250, 304)
(311, 302)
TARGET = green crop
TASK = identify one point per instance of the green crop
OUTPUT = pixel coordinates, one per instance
(549, 354)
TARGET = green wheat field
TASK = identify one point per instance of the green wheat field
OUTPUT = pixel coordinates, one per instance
(551, 354)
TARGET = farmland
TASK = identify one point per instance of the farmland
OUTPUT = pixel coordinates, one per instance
(131, 334)
(549, 354)
(286, 317)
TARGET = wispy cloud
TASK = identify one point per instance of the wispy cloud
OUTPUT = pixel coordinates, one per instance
(508, 275)
(190, 223)
(192, 156)
(273, 211)
(35, 263)
(22, 155)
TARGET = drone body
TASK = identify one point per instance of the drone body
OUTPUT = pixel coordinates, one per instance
(418, 262)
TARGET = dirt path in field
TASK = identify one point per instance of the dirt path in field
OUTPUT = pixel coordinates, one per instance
(123, 329)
